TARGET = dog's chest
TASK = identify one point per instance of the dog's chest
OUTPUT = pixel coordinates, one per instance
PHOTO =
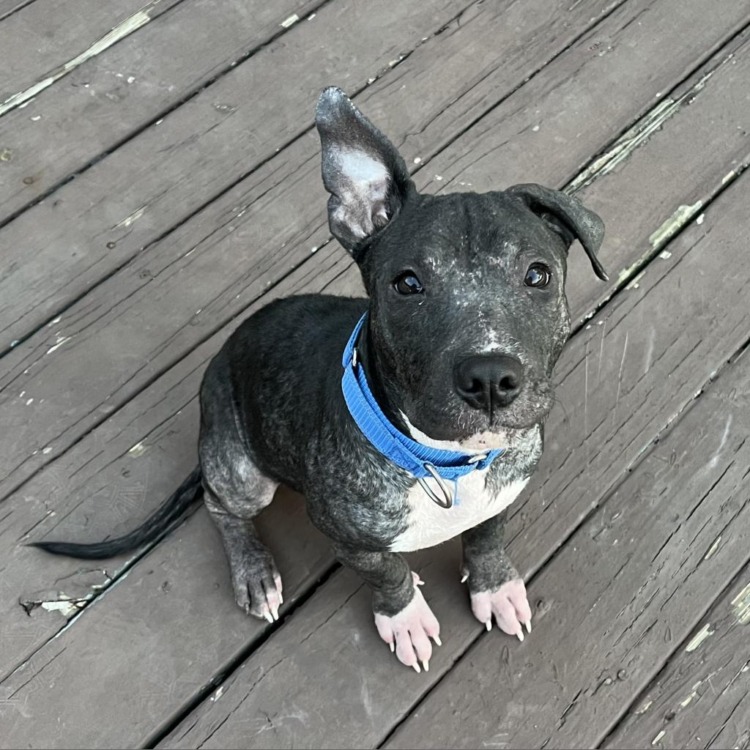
(429, 524)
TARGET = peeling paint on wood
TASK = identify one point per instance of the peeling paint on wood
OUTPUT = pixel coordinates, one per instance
(645, 707)
(640, 132)
(704, 633)
(741, 605)
(138, 449)
(682, 216)
(128, 220)
(713, 548)
(123, 29)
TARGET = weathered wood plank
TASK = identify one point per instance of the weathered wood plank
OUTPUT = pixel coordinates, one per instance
(180, 602)
(112, 96)
(8, 7)
(702, 697)
(616, 395)
(625, 318)
(211, 247)
(46, 41)
(135, 195)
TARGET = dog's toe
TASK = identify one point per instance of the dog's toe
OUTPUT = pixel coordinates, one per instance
(408, 632)
(508, 605)
(257, 587)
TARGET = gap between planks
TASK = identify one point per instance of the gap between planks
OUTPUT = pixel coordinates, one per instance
(626, 708)
(10, 8)
(217, 327)
(627, 471)
(692, 641)
(122, 30)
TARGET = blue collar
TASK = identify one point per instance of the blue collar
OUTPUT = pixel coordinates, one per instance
(420, 460)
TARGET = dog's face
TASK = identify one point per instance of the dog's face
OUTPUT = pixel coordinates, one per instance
(468, 311)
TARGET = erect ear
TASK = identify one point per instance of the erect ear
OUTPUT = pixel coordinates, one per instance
(362, 170)
(566, 215)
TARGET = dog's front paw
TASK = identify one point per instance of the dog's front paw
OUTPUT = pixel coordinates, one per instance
(408, 633)
(508, 605)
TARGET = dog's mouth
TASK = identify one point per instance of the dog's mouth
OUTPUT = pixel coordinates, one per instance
(470, 429)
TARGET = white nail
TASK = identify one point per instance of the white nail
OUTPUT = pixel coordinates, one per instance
(426, 665)
(437, 640)
(528, 626)
(393, 647)
(489, 625)
(275, 613)
(268, 617)
(281, 598)
(417, 669)
(520, 635)
(464, 578)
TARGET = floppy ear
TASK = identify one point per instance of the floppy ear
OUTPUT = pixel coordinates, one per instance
(568, 217)
(362, 170)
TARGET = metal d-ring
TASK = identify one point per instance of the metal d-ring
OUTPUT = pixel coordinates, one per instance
(447, 500)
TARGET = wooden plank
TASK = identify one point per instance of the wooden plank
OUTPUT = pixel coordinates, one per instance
(580, 589)
(112, 96)
(46, 41)
(153, 296)
(181, 601)
(63, 231)
(137, 194)
(702, 697)
(8, 7)
(617, 453)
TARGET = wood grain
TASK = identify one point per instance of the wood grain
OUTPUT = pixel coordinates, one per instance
(85, 487)
(50, 39)
(625, 590)
(701, 698)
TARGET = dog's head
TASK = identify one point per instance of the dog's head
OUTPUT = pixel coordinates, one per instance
(468, 313)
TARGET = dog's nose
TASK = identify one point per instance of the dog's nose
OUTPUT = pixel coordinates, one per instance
(487, 380)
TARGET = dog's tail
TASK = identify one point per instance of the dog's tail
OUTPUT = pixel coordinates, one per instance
(156, 524)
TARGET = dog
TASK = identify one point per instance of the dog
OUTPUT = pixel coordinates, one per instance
(407, 418)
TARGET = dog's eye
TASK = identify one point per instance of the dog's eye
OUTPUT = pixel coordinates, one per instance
(408, 283)
(538, 275)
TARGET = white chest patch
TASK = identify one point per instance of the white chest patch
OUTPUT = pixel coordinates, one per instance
(429, 524)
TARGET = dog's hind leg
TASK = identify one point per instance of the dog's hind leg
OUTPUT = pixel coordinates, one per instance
(233, 501)
(235, 491)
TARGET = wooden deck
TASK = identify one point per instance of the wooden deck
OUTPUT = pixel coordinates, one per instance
(159, 180)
